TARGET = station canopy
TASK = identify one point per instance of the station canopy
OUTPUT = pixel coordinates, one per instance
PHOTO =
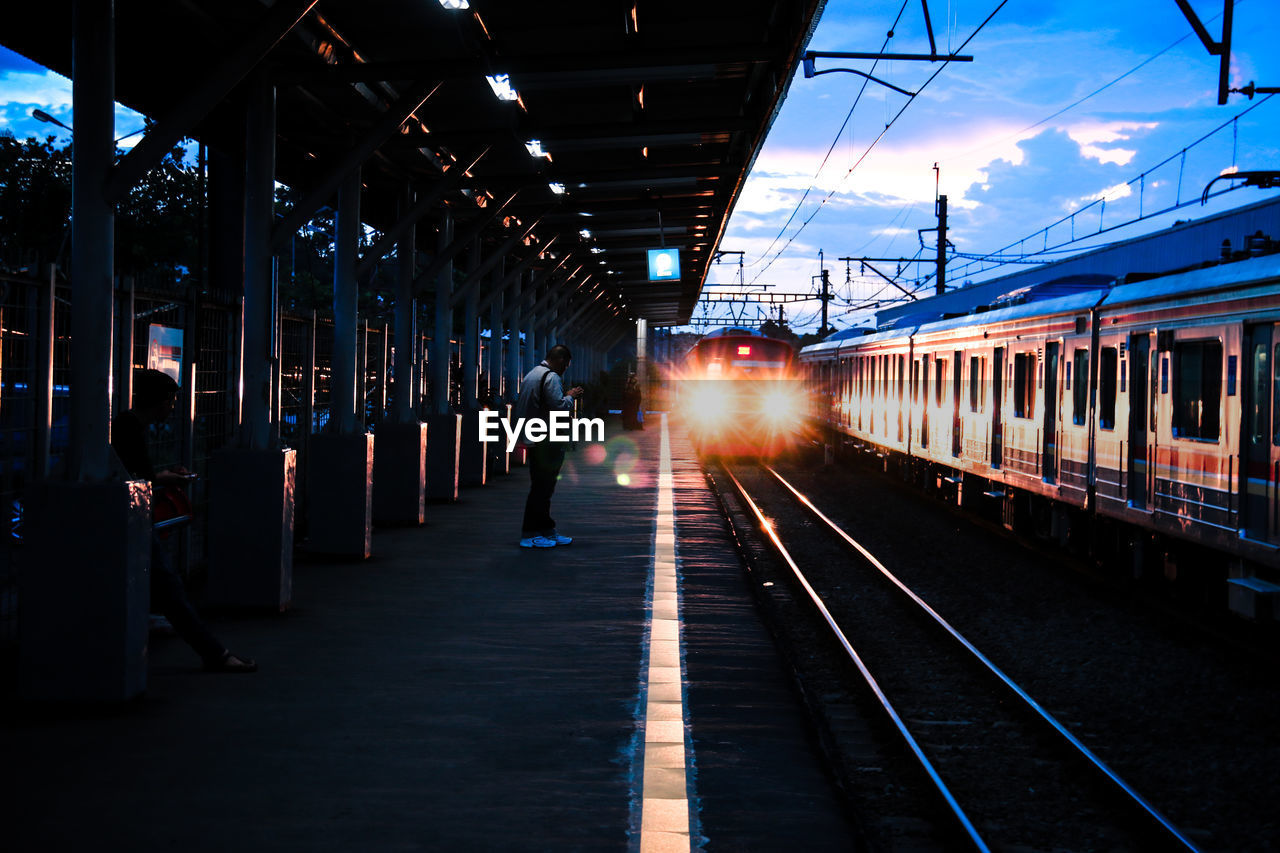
(594, 128)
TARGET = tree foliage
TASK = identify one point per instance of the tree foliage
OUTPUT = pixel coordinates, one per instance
(35, 202)
(161, 228)
(158, 225)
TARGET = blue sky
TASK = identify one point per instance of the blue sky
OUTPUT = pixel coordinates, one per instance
(1015, 150)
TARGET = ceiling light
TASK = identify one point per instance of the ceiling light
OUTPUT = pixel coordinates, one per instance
(595, 250)
(501, 85)
(585, 234)
(455, 5)
(558, 189)
(534, 147)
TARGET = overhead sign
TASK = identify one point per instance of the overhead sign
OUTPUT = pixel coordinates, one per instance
(664, 264)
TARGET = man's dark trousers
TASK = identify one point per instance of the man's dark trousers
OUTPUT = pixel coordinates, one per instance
(545, 460)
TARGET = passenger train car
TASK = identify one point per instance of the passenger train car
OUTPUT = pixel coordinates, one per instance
(739, 394)
(1145, 411)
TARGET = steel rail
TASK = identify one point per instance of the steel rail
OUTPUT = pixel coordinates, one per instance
(952, 805)
(1150, 811)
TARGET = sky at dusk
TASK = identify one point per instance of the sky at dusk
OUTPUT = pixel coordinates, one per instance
(1014, 154)
(1066, 102)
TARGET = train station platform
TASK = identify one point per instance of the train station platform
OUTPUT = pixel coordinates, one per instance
(457, 692)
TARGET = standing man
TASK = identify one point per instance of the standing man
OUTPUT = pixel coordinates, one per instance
(541, 393)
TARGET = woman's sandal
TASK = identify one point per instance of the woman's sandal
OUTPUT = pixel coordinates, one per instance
(231, 663)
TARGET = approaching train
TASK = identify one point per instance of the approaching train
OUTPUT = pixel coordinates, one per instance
(740, 395)
(1143, 413)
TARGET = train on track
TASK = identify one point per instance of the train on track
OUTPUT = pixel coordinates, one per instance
(1140, 415)
(740, 394)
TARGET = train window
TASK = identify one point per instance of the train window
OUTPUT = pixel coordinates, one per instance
(924, 380)
(940, 376)
(1258, 411)
(1024, 384)
(977, 369)
(1080, 395)
(1197, 389)
(1108, 367)
(1275, 396)
(915, 380)
(902, 374)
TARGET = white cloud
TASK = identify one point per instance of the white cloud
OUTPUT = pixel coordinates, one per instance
(1092, 136)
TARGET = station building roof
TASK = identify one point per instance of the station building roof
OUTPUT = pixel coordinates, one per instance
(649, 113)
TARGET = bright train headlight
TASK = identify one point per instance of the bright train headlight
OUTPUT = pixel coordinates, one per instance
(781, 406)
(708, 405)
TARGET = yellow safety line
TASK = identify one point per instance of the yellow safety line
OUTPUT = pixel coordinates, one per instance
(664, 815)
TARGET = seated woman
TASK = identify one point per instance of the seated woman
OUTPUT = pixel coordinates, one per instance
(154, 394)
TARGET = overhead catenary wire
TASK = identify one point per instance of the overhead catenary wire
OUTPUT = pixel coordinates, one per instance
(869, 148)
(856, 100)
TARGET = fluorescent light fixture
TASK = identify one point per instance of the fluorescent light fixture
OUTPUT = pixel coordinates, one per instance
(595, 250)
(558, 189)
(534, 147)
(455, 5)
(501, 85)
(585, 234)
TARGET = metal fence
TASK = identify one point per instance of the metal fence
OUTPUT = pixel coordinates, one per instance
(35, 358)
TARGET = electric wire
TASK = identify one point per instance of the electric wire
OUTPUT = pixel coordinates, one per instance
(830, 148)
(873, 144)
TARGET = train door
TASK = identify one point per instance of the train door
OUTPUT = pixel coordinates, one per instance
(1049, 449)
(1258, 469)
(1138, 466)
(997, 393)
(955, 394)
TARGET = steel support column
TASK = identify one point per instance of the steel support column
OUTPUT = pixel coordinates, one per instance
(345, 399)
(259, 295)
(494, 367)
(642, 358)
(92, 239)
(251, 485)
(406, 317)
(471, 338)
(440, 355)
(514, 356)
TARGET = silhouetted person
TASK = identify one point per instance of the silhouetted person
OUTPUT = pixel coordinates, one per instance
(541, 393)
(154, 394)
(632, 417)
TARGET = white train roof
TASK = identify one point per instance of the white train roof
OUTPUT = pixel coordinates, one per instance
(1240, 273)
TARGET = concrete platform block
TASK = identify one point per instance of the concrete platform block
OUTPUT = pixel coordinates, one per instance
(85, 590)
(473, 454)
(443, 449)
(520, 456)
(251, 518)
(340, 495)
(400, 474)
(499, 457)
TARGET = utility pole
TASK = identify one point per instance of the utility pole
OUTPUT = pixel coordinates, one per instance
(825, 297)
(941, 285)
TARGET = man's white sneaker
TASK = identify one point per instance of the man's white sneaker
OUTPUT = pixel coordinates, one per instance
(539, 542)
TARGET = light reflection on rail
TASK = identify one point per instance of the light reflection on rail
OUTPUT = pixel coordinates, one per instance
(1132, 795)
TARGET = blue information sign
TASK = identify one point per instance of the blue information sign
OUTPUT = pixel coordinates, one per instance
(664, 264)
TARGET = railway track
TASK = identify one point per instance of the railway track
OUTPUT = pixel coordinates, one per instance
(996, 770)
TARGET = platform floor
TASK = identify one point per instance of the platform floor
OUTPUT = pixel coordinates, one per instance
(457, 692)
